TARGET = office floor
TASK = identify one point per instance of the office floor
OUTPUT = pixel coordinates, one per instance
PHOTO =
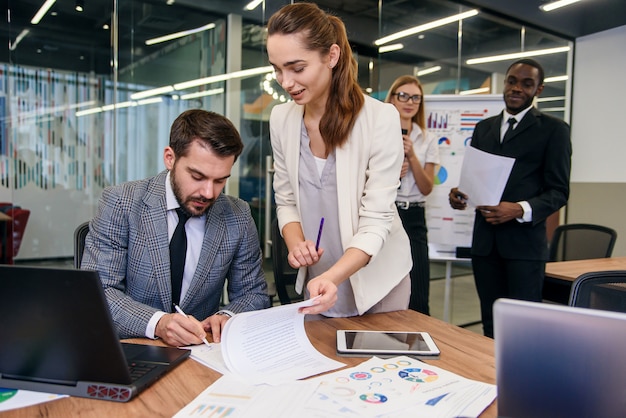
(464, 311)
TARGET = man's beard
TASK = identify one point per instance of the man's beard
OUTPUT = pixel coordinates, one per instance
(183, 203)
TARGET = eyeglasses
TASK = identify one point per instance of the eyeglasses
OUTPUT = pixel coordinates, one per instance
(404, 97)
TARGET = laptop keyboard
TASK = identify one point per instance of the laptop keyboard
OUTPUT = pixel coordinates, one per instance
(138, 370)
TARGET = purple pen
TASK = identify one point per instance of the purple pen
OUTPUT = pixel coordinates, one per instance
(319, 235)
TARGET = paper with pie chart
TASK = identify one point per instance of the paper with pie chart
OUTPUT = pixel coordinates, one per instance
(390, 387)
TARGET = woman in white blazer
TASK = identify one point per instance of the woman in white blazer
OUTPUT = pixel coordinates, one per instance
(337, 156)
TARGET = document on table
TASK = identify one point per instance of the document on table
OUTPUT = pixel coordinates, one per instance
(484, 176)
(399, 387)
(14, 398)
(266, 346)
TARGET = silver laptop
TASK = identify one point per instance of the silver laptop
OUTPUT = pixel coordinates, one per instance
(559, 361)
(57, 336)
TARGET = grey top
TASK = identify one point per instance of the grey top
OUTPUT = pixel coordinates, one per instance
(318, 197)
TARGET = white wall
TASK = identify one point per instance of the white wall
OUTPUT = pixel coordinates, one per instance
(598, 182)
(599, 108)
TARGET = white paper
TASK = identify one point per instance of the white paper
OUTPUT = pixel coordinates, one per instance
(14, 398)
(234, 398)
(266, 346)
(484, 176)
(399, 387)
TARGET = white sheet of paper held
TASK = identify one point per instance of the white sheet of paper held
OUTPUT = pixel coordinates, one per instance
(484, 176)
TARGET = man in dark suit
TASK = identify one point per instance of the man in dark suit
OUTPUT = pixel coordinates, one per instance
(509, 247)
(129, 240)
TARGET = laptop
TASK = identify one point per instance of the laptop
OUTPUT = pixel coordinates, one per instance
(559, 361)
(57, 336)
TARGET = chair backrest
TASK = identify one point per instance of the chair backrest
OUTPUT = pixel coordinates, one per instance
(79, 242)
(284, 274)
(604, 290)
(581, 242)
(15, 231)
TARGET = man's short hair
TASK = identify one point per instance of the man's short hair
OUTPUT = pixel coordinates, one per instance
(212, 130)
(532, 63)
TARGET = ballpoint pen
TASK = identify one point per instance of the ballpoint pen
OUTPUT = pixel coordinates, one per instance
(319, 235)
(180, 311)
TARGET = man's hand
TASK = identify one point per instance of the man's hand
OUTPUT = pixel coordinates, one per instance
(215, 324)
(458, 199)
(179, 330)
(504, 212)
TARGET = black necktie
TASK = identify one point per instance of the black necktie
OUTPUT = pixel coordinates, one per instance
(178, 251)
(509, 131)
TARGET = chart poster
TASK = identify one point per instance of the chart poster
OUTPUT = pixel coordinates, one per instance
(452, 119)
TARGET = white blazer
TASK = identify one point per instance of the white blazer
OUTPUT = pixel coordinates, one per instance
(368, 173)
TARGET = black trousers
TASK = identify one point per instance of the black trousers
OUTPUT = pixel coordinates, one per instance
(496, 277)
(414, 223)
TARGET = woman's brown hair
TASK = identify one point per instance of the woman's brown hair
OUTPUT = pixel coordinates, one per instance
(320, 30)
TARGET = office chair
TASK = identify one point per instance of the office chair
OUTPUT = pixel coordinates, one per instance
(604, 290)
(15, 229)
(284, 274)
(79, 242)
(581, 242)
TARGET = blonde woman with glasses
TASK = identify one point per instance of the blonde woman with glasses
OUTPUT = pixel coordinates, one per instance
(421, 157)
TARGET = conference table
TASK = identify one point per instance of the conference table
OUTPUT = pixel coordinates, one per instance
(463, 352)
(561, 274)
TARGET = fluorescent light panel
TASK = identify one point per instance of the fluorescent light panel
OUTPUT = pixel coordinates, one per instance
(548, 7)
(201, 94)
(428, 70)
(120, 105)
(253, 4)
(555, 79)
(19, 38)
(425, 27)
(550, 99)
(42, 11)
(179, 34)
(517, 55)
(389, 48)
(474, 91)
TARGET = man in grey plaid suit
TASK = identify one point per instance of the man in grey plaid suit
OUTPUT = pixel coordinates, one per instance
(128, 240)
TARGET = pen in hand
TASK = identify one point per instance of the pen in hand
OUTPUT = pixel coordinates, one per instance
(319, 235)
(180, 311)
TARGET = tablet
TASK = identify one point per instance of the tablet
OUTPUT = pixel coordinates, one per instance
(385, 343)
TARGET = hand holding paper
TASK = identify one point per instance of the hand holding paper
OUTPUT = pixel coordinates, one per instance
(484, 176)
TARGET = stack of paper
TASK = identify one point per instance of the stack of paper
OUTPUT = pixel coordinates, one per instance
(267, 346)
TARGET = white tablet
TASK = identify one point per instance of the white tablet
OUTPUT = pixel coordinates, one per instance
(350, 342)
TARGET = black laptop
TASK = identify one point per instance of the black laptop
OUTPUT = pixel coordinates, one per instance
(57, 336)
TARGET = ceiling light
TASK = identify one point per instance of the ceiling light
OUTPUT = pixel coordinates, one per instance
(555, 79)
(253, 4)
(389, 48)
(179, 34)
(80, 5)
(151, 92)
(430, 70)
(425, 27)
(13, 45)
(557, 5)
(550, 99)
(223, 77)
(516, 55)
(202, 94)
(42, 11)
(474, 91)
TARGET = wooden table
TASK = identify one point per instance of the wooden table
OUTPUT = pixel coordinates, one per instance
(462, 352)
(561, 274)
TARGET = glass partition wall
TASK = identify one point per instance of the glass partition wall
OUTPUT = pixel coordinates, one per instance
(87, 97)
